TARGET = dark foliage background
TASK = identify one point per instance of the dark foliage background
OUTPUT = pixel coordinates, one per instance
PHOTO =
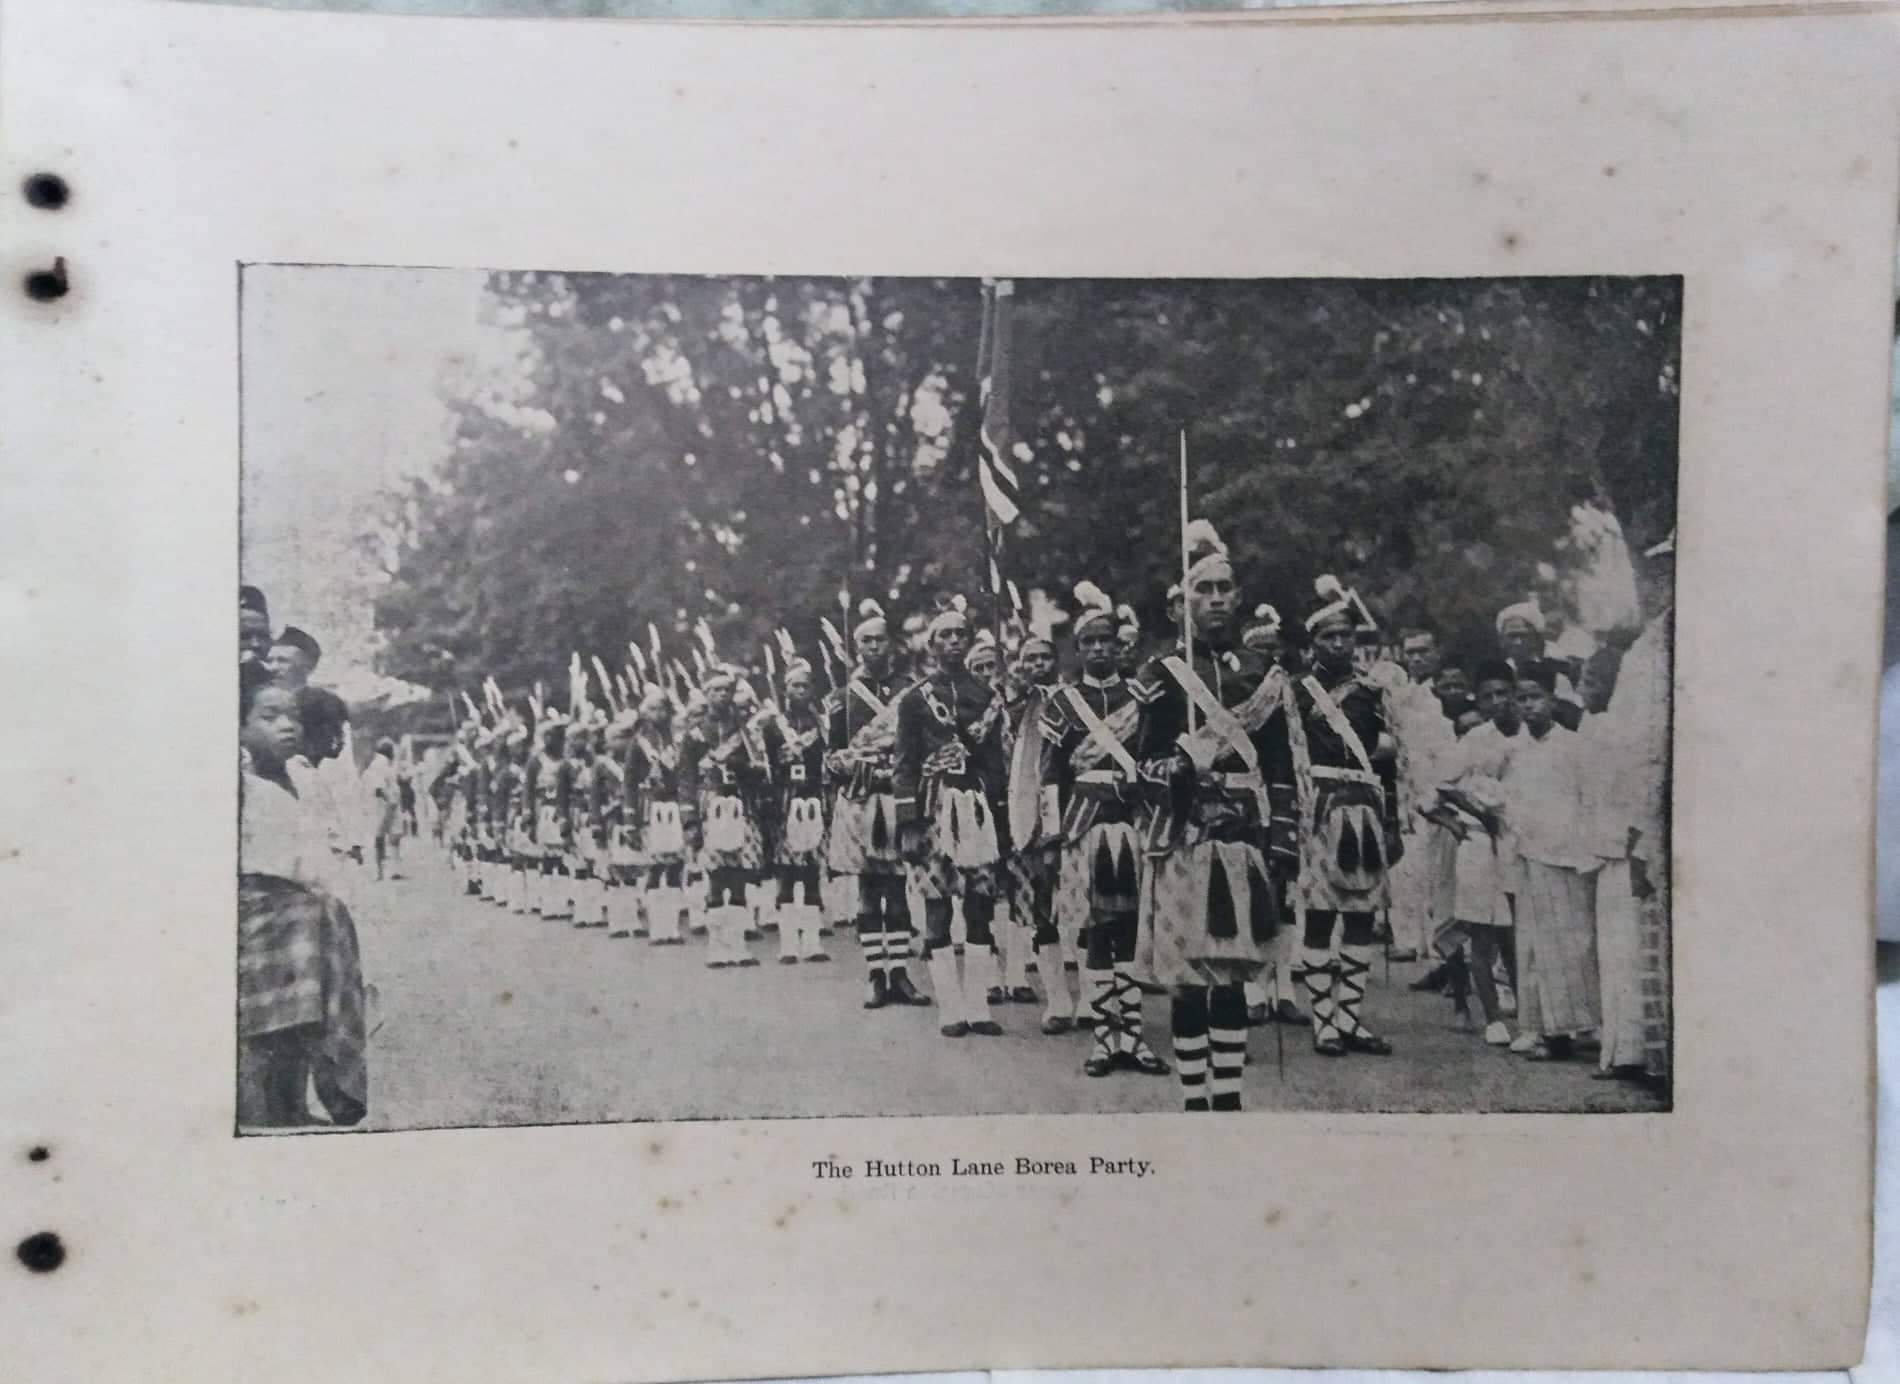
(745, 450)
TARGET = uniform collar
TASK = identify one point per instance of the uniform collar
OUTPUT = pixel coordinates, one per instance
(1112, 680)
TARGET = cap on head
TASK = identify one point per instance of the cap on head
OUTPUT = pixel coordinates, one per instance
(301, 641)
(1524, 613)
(871, 619)
(1095, 609)
(1206, 551)
(951, 616)
(252, 598)
(1264, 617)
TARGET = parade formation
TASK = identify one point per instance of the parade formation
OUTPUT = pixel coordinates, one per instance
(1233, 817)
(1232, 820)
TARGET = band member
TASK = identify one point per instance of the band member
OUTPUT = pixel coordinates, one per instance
(587, 865)
(1032, 854)
(1272, 1002)
(548, 781)
(1128, 651)
(1091, 726)
(984, 661)
(860, 755)
(1261, 633)
(723, 783)
(613, 820)
(653, 789)
(795, 748)
(1344, 767)
(464, 804)
(1211, 739)
(506, 791)
(949, 777)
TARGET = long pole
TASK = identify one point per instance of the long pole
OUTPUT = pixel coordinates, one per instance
(1187, 617)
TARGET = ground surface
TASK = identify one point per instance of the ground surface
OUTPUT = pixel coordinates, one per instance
(482, 1017)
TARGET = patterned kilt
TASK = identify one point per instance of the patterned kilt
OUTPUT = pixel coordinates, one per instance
(936, 877)
(298, 967)
(1343, 867)
(1208, 915)
(1090, 884)
(645, 855)
(863, 836)
(622, 858)
(1027, 870)
(784, 855)
(748, 855)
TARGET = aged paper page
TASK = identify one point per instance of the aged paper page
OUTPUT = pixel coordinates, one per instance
(446, 1123)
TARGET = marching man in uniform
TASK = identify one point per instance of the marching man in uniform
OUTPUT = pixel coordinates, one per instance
(795, 747)
(949, 778)
(1344, 771)
(653, 799)
(1033, 854)
(1210, 741)
(1090, 726)
(860, 739)
(722, 781)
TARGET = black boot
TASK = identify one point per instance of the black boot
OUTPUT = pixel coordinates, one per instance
(877, 996)
(901, 991)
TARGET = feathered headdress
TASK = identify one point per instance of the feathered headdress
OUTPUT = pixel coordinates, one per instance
(1265, 617)
(871, 619)
(1127, 623)
(1338, 601)
(1094, 608)
(1205, 548)
(951, 613)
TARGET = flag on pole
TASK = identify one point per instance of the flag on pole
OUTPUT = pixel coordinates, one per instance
(996, 474)
(1002, 494)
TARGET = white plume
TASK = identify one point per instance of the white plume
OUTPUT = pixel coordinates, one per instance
(1266, 614)
(958, 604)
(1328, 586)
(869, 609)
(1089, 594)
(1201, 537)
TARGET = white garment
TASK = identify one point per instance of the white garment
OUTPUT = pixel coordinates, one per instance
(1484, 867)
(1544, 801)
(279, 834)
(1640, 708)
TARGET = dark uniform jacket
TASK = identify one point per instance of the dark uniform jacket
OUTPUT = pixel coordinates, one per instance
(950, 734)
(1221, 804)
(846, 713)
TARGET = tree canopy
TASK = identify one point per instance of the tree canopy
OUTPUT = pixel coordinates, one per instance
(744, 450)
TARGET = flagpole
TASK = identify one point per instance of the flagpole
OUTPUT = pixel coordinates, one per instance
(1187, 618)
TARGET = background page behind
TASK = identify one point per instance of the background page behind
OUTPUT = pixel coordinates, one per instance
(201, 137)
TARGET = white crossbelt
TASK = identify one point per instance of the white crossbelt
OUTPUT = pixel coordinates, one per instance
(1101, 736)
(1227, 726)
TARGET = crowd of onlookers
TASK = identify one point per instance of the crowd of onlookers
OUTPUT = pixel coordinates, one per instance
(308, 822)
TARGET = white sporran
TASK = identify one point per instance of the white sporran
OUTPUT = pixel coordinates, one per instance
(804, 825)
(665, 836)
(725, 824)
(966, 832)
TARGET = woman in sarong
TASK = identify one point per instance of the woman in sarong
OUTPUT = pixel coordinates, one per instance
(300, 982)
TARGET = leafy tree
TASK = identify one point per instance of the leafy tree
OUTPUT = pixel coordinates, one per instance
(748, 450)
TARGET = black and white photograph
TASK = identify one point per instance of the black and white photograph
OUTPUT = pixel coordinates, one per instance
(676, 697)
